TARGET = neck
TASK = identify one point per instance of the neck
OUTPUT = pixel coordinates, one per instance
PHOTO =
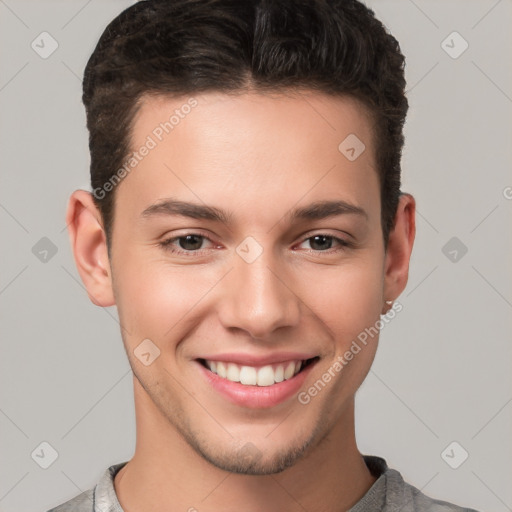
(166, 473)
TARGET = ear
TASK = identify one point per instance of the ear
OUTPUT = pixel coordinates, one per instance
(89, 246)
(398, 253)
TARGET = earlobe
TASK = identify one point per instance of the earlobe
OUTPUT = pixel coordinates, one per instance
(89, 246)
(400, 244)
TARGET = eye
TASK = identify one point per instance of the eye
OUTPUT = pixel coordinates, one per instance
(324, 242)
(189, 243)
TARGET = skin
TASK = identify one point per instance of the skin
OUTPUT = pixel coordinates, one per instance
(258, 157)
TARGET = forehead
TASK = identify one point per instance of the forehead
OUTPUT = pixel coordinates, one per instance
(220, 114)
(252, 147)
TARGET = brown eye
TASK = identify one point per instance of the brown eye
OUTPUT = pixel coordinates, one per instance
(188, 244)
(323, 242)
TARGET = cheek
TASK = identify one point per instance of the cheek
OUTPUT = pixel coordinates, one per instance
(347, 298)
(155, 300)
(350, 307)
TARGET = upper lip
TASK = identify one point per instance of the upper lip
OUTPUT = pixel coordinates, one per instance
(259, 360)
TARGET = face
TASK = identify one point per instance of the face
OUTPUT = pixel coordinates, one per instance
(247, 246)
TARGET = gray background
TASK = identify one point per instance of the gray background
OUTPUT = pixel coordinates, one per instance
(442, 371)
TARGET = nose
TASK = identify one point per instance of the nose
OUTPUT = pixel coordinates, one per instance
(259, 298)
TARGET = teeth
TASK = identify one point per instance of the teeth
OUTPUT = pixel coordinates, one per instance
(250, 376)
(289, 370)
(233, 373)
(221, 370)
(266, 376)
(279, 373)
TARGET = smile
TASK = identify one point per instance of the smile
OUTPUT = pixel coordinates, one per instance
(266, 375)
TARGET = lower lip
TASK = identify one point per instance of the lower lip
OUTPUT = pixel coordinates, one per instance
(256, 397)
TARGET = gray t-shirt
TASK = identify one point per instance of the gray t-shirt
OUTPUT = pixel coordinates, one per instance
(389, 493)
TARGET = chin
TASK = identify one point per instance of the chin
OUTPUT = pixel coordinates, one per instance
(250, 455)
(249, 460)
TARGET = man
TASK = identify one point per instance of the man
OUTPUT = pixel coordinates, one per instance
(246, 219)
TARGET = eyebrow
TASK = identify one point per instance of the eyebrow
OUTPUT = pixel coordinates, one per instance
(314, 211)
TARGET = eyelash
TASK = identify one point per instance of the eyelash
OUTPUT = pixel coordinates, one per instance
(166, 244)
